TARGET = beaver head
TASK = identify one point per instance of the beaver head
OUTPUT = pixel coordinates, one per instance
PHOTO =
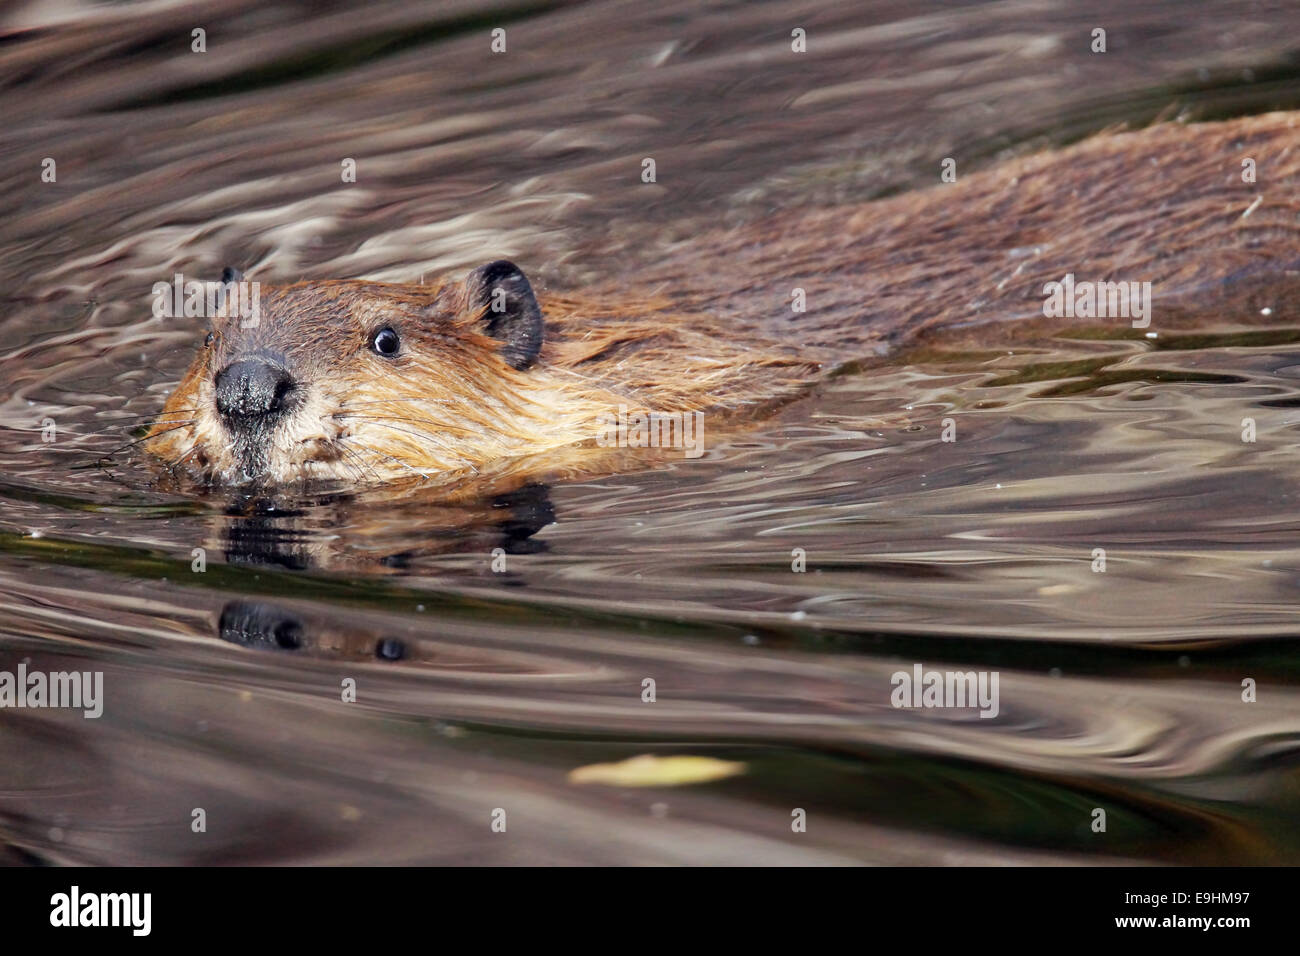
(356, 381)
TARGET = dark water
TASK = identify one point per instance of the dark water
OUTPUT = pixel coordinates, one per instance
(476, 690)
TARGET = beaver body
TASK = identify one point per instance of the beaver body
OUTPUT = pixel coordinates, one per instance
(364, 381)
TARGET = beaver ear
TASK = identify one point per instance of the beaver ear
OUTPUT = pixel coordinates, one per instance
(510, 310)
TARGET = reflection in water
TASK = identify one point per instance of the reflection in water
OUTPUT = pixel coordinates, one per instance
(260, 626)
(265, 626)
(258, 530)
(499, 633)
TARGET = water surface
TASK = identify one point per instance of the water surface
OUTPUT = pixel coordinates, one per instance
(479, 690)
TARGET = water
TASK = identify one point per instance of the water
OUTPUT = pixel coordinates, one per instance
(478, 690)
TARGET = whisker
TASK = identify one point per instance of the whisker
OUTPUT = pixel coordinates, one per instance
(417, 421)
(172, 466)
(390, 401)
(174, 411)
(353, 473)
(417, 434)
(373, 451)
(355, 457)
(145, 438)
(123, 419)
(127, 424)
(385, 422)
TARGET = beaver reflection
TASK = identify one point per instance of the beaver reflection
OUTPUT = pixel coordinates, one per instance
(263, 626)
(262, 533)
(343, 530)
(526, 512)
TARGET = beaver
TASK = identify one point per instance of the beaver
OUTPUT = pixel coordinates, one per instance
(371, 382)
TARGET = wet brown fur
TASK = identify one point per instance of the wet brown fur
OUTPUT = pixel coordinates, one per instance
(711, 326)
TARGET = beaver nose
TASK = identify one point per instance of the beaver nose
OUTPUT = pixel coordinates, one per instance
(252, 389)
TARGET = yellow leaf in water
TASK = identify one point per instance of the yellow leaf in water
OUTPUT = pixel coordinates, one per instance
(648, 770)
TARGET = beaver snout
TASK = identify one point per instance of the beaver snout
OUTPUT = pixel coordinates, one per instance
(251, 391)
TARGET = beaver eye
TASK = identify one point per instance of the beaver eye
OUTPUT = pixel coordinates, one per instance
(207, 340)
(385, 342)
